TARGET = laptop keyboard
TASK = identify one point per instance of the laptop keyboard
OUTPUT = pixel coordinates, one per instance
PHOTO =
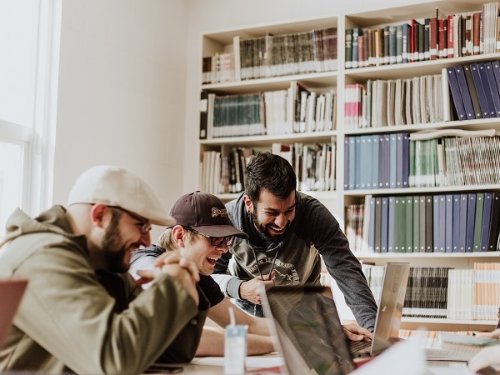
(357, 346)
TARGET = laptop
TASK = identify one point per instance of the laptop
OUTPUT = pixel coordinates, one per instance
(308, 332)
(11, 293)
(389, 313)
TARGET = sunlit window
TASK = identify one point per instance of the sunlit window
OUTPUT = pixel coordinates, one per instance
(11, 178)
(29, 39)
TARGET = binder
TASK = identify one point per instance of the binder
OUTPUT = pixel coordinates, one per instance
(471, 212)
(449, 224)
(464, 92)
(385, 225)
(487, 91)
(494, 225)
(495, 97)
(472, 91)
(485, 230)
(481, 93)
(455, 94)
(392, 224)
(462, 223)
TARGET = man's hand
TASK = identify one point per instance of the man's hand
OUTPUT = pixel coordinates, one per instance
(493, 334)
(181, 269)
(354, 332)
(249, 290)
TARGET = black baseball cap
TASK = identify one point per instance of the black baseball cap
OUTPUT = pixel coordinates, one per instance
(206, 214)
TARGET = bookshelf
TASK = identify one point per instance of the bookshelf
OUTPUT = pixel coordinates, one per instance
(334, 78)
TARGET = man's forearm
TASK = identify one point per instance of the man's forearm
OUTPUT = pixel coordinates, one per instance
(212, 343)
(229, 285)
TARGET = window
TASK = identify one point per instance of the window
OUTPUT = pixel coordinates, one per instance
(29, 38)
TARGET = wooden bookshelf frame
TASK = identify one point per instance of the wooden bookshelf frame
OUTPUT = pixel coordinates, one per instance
(337, 200)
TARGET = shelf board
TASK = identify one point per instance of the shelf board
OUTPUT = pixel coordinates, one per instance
(317, 194)
(225, 37)
(268, 139)
(447, 324)
(320, 195)
(410, 70)
(448, 321)
(477, 124)
(309, 80)
(420, 190)
(388, 256)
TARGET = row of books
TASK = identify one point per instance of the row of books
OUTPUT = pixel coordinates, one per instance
(441, 292)
(380, 103)
(295, 110)
(224, 173)
(462, 222)
(314, 165)
(401, 160)
(273, 55)
(455, 35)
(473, 91)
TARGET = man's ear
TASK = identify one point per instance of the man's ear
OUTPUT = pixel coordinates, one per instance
(248, 203)
(98, 213)
(178, 235)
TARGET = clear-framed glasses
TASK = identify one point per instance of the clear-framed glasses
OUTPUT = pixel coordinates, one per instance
(142, 223)
(216, 241)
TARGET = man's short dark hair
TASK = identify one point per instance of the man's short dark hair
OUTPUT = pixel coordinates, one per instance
(271, 172)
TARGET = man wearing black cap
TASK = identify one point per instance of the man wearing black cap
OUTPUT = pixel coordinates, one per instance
(202, 234)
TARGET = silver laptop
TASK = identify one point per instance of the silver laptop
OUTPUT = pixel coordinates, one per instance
(11, 293)
(307, 331)
(389, 312)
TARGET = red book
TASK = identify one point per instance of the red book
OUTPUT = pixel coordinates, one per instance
(450, 52)
(433, 33)
(476, 32)
(361, 51)
(413, 32)
(442, 49)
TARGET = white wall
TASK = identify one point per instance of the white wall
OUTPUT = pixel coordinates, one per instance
(122, 91)
(219, 15)
(129, 81)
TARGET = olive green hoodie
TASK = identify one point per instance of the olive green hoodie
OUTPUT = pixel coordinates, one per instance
(68, 321)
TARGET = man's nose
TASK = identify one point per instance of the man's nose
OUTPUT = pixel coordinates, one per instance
(280, 220)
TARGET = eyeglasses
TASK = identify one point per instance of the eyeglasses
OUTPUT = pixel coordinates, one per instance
(143, 224)
(216, 241)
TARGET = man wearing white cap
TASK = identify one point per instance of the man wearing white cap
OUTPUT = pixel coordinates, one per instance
(82, 312)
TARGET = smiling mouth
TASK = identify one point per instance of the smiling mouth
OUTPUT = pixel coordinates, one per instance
(212, 260)
(277, 230)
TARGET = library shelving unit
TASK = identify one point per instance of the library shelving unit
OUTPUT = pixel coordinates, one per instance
(313, 76)
(340, 196)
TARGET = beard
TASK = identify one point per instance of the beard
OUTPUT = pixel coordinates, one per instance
(263, 228)
(113, 250)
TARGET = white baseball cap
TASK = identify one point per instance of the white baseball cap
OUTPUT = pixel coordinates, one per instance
(119, 187)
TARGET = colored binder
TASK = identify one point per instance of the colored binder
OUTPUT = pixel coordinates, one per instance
(456, 95)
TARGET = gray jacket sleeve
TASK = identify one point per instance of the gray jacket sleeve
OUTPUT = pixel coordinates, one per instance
(325, 233)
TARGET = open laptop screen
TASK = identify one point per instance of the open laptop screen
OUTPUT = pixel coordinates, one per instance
(307, 325)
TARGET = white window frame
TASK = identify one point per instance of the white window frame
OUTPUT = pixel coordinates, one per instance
(38, 140)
